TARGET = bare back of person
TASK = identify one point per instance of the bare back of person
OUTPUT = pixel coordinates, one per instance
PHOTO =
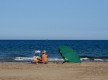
(44, 58)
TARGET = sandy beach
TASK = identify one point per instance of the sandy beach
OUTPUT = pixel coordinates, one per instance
(54, 71)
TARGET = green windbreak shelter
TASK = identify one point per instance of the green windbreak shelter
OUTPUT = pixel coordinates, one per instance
(69, 55)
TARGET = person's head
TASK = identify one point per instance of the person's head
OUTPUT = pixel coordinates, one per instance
(37, 51)
(44, 51)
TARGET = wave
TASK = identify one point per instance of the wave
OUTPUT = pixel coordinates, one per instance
(31, 58)
(94, 59)
(28, 59)
(83, 59)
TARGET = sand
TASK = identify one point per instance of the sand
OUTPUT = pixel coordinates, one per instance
(54, 71)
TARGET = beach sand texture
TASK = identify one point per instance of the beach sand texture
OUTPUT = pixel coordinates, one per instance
(54, 71)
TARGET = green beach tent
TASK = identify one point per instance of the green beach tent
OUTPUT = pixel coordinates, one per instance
(69, 55)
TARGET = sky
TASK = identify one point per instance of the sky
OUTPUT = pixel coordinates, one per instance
(54, 19)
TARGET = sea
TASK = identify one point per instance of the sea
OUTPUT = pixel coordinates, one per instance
(24, 50)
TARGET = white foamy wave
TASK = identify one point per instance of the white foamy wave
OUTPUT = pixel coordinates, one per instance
(61, 60)
(94, 59)
(31, 58)
(101, 60)
(55, 59)
(84, 59)
(23, 58)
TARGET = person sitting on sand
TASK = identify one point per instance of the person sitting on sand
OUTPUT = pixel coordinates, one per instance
(44, 57)
(35, 60)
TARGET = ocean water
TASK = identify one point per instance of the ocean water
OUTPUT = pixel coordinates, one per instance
(23, 50)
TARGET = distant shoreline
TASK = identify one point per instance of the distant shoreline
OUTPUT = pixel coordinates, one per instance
(53, 39)
(29, 59)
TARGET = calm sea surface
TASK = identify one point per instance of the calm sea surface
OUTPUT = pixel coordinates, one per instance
(10, 49)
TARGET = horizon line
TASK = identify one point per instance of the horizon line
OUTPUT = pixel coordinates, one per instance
(53, 39)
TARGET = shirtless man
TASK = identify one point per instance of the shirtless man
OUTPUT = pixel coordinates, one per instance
(44, 57)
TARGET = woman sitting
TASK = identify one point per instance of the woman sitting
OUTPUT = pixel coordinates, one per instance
(35, 60)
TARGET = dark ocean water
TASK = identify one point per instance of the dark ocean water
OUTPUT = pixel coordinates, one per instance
(11, 50)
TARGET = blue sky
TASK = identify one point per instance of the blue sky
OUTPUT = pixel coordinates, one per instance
(54, 19)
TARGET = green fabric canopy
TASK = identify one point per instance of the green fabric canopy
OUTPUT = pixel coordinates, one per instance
(69, 55)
